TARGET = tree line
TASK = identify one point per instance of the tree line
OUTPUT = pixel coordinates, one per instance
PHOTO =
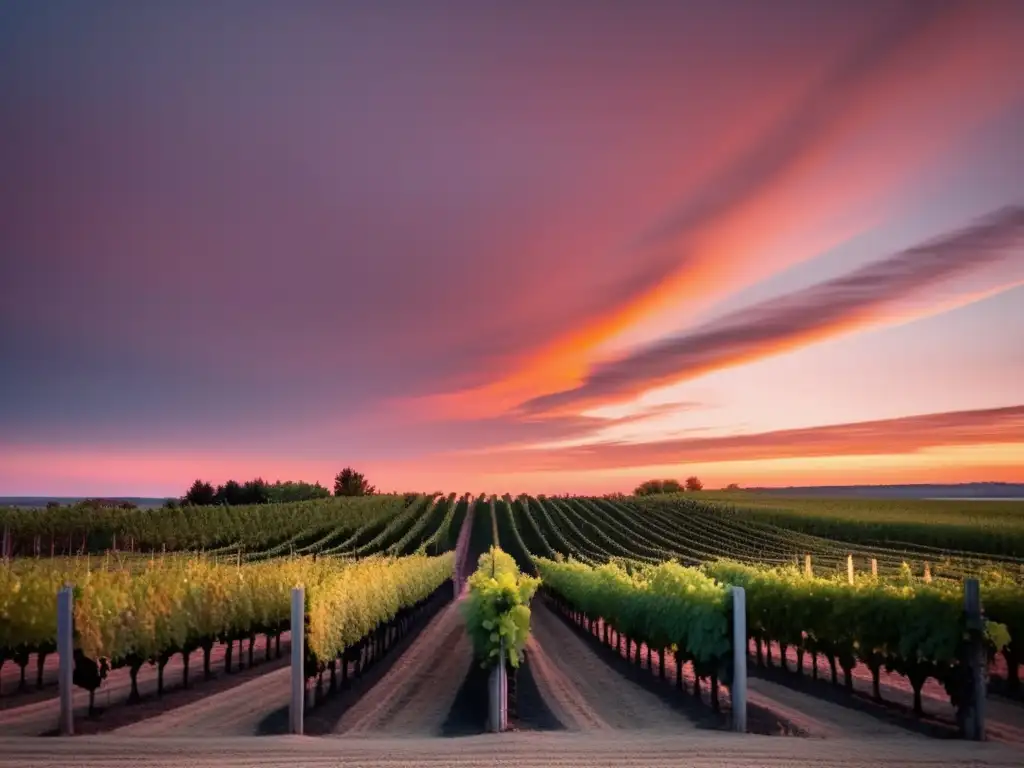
(202, 493)
(652, 487)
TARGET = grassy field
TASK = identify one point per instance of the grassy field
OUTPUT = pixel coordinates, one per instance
(993, 527)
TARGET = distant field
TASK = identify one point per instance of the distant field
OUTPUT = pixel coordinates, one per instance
(982, 526)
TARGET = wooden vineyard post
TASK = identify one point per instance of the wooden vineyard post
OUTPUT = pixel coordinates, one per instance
(298, 673)
(973, 716)
(503, 700)
(498, 695)
(66, 658)
(739, 660)
(927, 573)
(7, 537)
(874, 568)
(808, 571)
(849, 568)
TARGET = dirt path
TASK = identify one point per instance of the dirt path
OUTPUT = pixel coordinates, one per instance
(40, 716)
(1004, 717)
(701, 749)
(809, 714)
(415, 695)
(10, 674)
(564, 699)
(820, 718)
(239, 711)
(580, 686)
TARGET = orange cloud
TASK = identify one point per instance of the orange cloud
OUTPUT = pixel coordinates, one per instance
(714, 241)
(827, 309)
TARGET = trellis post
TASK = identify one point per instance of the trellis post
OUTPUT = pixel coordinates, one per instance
(66, 658)
(739, 660)
(298, 626)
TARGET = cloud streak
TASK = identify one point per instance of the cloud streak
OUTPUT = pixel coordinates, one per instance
(808, 123)
(780, 324)
(886, 436)
(911, 57)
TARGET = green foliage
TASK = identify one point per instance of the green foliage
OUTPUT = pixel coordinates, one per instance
(263, 529)
(348, 482)
(149, 611)
(200, 494)
(231, 493)
(292, 491)
(653, 487)
(665, 606)
(498, 608)
(351, 602)
(902, 624)
(985, 527)
(1003, 603)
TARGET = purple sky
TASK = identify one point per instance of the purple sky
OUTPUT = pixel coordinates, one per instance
(269, 238)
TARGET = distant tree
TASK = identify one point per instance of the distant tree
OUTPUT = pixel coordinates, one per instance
(200, 494)
(732, 487)
(694, 484)
(105, 504)
(171, 503)
(53, 505)
(652, 487)
(256, 491)
(348, 482)
(230, 493)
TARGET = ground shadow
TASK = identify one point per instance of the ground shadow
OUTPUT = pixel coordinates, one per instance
(175, 695)
(468, 713)
(532, 712)
(889, 712)
(323, 718)
(759, 719)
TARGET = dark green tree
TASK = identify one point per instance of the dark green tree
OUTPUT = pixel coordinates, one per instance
(200, 494)
(230, 493)
(348, 482)
(256, 491)
(652, 487)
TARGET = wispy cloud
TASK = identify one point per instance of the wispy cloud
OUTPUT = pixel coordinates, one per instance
(698, 247)
(810, 120)
(776, 325)
(887, 436)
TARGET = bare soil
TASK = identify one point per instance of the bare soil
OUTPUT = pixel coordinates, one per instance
(1004, 717)
(10, 674)
(416, 693)
(40, 716)
(701, 749)
(771, 702)
(260, 705)
(586, 692)
(238, 711)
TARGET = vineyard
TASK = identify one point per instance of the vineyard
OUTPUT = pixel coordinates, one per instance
(182, 616)
(995, 528)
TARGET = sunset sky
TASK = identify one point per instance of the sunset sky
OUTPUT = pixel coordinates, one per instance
(491, 246)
